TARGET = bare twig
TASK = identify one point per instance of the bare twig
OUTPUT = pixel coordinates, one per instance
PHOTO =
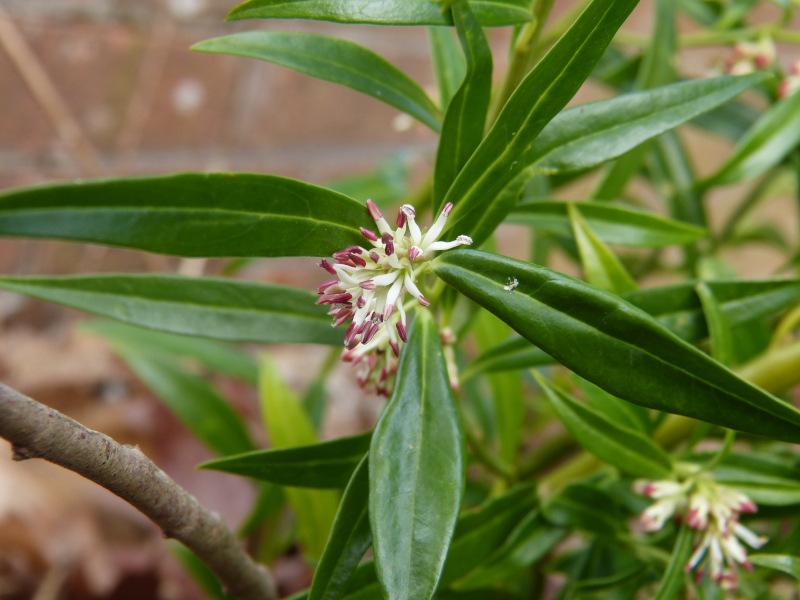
(46, 94)
(36, 431)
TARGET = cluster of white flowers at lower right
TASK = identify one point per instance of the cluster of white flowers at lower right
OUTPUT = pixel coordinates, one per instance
(711, 508)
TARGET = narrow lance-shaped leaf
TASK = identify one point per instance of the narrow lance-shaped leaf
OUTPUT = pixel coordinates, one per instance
(719, 328)
(615, 345)
(465, 118)
(611, 224)
(779, 562)
(537, 99)
(191, 398)
(189, 214)
(288, 426)
(449, 65)
(332, 59)
(212, 355)
(627, 449)
(416, 470)
(490, 13)
(767, 142)
(349, 540)
(672, 580)
(601, 267)
(328, 464)
(222, 309)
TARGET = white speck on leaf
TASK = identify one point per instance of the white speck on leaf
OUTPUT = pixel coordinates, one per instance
(512, 284)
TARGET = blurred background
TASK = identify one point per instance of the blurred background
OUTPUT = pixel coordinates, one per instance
(92, 88)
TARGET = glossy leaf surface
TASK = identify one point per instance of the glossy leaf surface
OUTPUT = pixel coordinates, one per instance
(585, 507)
(588, 135)
(464, 121)
(601, 267)
(627, 449)
(611, 224)
(199, 406)
(615, 345)
(328, 464)
(332, 59)
(490, 13)
(189, 214)
(222, 309)
(767, 142)
(416, 470)
(349, 540)
(537, 99)
(212, 355)
(719, 328)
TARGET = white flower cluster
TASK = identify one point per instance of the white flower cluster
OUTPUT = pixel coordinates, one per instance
(748, 57)
(711, 508)
(791, 83)
(371, 284)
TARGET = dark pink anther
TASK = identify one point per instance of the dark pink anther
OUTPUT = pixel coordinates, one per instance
(360, 302)
(395, 348)
(413, 253)
(401, 219)
(389, 248)
(386, 237)
(374, 211)
(354, 249)
(374, 256)
(447, 209)
(401, 331)
(322, 287)
(328, 267)
(423, 300)
(387, 311)
(367, 285)
(370, 235)
(358, 260)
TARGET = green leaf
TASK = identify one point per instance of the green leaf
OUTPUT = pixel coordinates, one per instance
(513, 354)
(611, 224)
(479, 532)
(328, 464)
(288, 426)
(590, 134)
(465, 119)
(527, 544)
(198, 405)
(585, 507)
(624, 413)
(779, 562)
(349, 540)
(490, 13)
(222, 309)
(332, 59)
(449, 65)
(215, 357)
(189, 214)
(627, 449)
(416, 470)
(615, 345)
(672, 580)
(537, 99)
(601, 267)
(673, 176)
(678, 307)
(766, 143)
(719, 328)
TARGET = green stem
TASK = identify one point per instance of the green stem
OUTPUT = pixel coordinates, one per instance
(730, 437)
(482, 453)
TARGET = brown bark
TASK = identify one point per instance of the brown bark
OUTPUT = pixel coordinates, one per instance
(36, 431)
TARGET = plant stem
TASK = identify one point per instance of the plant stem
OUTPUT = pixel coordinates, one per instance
(36, 431)
(482, 453)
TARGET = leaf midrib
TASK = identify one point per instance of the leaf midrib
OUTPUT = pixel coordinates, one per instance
(659, 359)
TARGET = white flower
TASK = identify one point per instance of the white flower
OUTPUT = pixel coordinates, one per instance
(371, 285)
(711, 508)
(747, 57)
(791, 83)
